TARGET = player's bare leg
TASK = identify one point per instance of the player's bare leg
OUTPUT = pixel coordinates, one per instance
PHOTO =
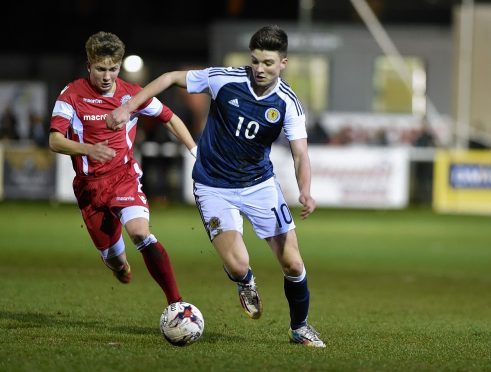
(285, 246)
(231, 248)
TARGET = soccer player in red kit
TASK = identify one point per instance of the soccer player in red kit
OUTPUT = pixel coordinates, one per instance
(107, 181)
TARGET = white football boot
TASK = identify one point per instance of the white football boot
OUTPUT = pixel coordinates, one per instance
(307, 336)
(249, 299)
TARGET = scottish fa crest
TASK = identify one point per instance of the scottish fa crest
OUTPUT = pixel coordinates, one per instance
(272, 115)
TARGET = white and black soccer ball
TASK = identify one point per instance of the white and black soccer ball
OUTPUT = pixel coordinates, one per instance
(181, 323)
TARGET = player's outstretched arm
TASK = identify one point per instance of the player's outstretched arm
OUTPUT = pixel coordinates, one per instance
(301, 163)
(177, 127)
(99, 152)
(120, 116)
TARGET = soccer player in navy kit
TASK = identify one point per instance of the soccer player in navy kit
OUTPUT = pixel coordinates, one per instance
(233, 175)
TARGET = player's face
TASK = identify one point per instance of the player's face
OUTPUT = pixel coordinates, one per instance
(103, 75)
(266, 67)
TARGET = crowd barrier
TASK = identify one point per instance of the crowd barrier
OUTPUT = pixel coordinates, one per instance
(342, 177)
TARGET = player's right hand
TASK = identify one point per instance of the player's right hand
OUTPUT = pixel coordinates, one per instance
(118, 118)
(308, 205)
(101, 152)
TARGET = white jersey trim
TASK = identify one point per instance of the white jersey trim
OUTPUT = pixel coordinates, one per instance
(212, 79)
(154, 108)
(63, 109)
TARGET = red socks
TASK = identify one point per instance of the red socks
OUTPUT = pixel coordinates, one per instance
(159, 265)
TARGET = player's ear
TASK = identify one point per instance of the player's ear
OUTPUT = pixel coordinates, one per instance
(284, 62)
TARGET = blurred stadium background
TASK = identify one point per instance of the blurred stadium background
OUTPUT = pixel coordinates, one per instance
(396, 93)
(398, 252)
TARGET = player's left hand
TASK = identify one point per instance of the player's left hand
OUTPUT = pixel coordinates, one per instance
(308, 205)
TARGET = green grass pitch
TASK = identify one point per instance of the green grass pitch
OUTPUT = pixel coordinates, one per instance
(390, 291)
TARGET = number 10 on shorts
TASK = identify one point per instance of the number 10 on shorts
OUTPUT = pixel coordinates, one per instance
(283, 215)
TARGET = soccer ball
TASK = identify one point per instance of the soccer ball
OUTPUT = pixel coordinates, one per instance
(181, 323)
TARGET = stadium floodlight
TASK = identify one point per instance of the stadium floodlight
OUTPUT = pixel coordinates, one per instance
(133, 63)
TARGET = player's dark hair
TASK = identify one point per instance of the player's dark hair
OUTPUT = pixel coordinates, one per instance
(104, 45)
(270, 38)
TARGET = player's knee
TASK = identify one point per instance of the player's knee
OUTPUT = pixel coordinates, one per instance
(295, 277)
(136, 227)
(137, 238)
(137, 233)
(293, 268)
(142, 240)
(239, 272)
(237, 269)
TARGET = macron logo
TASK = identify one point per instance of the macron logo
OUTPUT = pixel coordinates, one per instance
(95, 117)
(234, 102)
(94, 100)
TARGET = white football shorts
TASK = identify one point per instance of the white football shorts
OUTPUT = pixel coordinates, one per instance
(263, 205)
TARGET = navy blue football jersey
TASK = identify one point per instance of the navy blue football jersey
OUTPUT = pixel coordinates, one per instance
(234, 148)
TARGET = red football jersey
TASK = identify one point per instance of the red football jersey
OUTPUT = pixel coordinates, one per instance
(80, 114)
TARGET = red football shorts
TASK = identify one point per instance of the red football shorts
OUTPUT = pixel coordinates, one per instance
(100, 200)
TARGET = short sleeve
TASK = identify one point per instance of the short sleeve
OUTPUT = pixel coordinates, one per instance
(294, 125)
(197, 81)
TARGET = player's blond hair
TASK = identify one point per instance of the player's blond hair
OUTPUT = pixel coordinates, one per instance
(104, 45)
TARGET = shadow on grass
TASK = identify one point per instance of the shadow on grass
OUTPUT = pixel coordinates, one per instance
(39, 320)
(32, 319)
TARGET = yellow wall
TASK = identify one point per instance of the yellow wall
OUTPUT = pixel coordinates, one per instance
(462, 181)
